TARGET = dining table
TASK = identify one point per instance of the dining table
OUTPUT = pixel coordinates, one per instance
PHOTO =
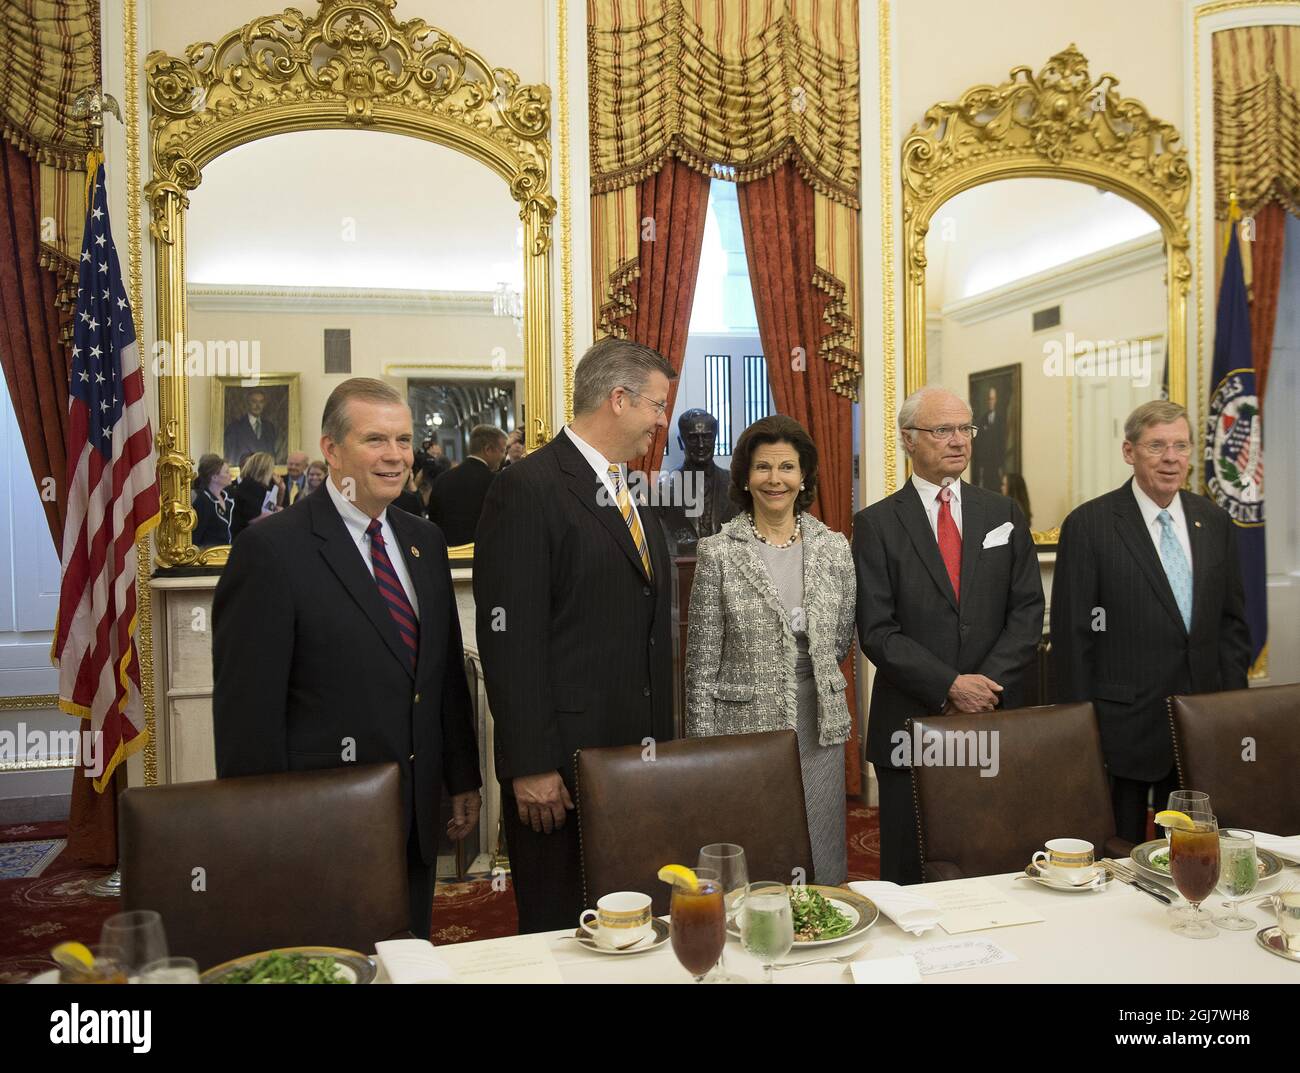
(1115, 935)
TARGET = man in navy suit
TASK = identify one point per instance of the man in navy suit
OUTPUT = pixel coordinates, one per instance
(336, 637)
(1146, 603)
(251, 433)
(950, 604)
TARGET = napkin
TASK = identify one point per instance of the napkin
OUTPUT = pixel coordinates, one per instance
(903, 905)
(413, 961)
(893, 970)
(1282, 846)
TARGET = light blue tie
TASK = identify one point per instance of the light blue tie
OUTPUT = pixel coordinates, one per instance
(1176, 568)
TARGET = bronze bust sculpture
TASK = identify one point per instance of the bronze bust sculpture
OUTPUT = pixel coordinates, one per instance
(693, 499)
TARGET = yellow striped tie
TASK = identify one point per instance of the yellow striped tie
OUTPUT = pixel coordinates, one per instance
(629, 516)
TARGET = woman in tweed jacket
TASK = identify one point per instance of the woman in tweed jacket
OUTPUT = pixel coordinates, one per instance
(771, 618)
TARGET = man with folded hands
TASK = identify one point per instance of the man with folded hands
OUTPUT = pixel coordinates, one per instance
(950, 604)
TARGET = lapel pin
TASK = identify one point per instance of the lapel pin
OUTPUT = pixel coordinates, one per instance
(415, 551)
(1198, 525)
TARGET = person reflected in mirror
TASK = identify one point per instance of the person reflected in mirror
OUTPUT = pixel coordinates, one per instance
(456, 499)
(695, 499)
(256, 493)
(295, 478)
(950, 604)
(1014, 487)
(771, 619)
(1147, 602)
(514, 448)
(989, 451)
(315, 475)
(211, 503)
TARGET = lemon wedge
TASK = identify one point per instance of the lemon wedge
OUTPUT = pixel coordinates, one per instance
(73, 956)
(679, 873)
(1173, 818)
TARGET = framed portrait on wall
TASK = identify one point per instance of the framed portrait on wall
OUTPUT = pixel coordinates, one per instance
(249, 416)
(995, 398)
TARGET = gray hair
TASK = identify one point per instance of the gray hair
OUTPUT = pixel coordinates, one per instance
(1157, 412)
(335, 422)
(907, 412)
(611, 363)
(481, 437)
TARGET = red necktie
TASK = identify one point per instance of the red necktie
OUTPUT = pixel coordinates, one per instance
(949, 541)
(391, 590)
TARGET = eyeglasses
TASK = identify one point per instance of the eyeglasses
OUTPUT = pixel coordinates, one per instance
(944, 432)
(1157, 448)
(660, 407)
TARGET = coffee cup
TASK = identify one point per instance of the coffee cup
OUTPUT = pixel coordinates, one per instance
(1287, 906)
(1067, 860)
(621, 919)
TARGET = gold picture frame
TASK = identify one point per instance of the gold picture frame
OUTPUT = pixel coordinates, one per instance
(1059, 123)
(350, 65)
(285, 420)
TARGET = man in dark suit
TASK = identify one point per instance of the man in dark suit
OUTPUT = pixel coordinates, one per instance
(573, 589)
(456, 499)
(950, 605)
(252, 432)
(1147, 602)
(989, 450)
(336, 636)
(295, 478)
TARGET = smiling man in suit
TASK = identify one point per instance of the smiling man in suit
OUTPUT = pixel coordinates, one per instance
(1146, 603)
(950, 604)
(336, 637)
(572, 584)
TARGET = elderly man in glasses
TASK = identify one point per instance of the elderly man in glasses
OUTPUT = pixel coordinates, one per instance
(1147, 602)
(950, 604)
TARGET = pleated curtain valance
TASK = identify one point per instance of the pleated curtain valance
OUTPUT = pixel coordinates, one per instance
(715, 82)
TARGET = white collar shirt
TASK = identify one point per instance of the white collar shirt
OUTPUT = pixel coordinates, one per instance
(357, 522)
(929, 493)
(600, 465)
(1151, 516)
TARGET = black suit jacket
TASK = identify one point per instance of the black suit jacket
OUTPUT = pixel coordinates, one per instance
(306, 656)
(239, 439)
(1118, 638)
(456, 500)
(910, 624)
(575, 641)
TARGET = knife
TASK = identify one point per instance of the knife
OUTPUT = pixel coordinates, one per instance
(1146, 888)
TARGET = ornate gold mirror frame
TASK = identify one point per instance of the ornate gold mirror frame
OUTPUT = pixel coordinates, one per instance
(1057, 124)
(352, 65)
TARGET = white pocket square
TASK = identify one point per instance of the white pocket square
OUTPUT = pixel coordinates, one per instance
(995, 538)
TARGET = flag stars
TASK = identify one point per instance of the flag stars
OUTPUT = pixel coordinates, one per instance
(85, 255)
(85, 376)
(99, 240)
(97, 213)
(103, 266)
(84, 316)
(121, 303)
(93, 324)
(95, 352)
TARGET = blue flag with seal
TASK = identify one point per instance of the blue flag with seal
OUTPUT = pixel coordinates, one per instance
(1234, 440)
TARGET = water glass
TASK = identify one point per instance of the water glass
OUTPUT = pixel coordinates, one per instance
(767, 924)
(138, 935)
(170, 971)
(728, 860)
(1238, 876)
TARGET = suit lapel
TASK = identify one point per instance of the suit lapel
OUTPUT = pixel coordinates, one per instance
(912, 514)
(1133, 531)
(344, 558)
(973, 526)
(418, 570)
(591, 493)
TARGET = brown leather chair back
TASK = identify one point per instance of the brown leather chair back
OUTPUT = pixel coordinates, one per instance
(637, 815)
(298, 859)
(1252, 783)
(1050, 783)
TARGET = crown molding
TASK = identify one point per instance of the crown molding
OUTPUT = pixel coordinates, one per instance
(208, 297)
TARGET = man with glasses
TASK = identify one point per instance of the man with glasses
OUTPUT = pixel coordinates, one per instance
(950, 604)
(573, 587)
(1147, 602)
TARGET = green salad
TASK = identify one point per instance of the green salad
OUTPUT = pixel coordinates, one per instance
(814, 917)
(286, 969)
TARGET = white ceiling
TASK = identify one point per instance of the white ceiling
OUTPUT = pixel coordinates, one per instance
(345, 208)
(994, 234)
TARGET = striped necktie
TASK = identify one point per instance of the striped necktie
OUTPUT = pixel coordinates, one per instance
(629, 516)
(390, 588)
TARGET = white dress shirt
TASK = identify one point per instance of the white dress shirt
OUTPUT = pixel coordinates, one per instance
(930, 500)
(601, 464)
(357, 522)
(1151, 515)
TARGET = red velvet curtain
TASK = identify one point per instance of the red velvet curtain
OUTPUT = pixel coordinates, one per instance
(777, 220)
(35, 362)
(673, 203)
(1266, 262)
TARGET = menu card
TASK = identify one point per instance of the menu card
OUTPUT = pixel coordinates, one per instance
(974, 905)
(962, 954)
(519, 959)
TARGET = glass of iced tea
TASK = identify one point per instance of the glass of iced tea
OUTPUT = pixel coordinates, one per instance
(698, 923)
(1194, 866)
(108, 967)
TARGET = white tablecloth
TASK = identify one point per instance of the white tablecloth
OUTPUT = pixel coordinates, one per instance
(1119, 935)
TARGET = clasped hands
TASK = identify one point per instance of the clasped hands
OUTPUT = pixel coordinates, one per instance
(972, 693)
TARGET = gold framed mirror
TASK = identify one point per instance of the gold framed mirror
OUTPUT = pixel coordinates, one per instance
(1047, 273)
(350, 67)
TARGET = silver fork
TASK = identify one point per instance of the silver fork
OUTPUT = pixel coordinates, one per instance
(842, 960)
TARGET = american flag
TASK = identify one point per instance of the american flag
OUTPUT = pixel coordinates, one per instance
(112, 502)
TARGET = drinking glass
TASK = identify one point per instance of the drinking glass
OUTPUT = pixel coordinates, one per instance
(170, 971)
(1238, 875)
(108, 968)
(138, 935)
(728, 860)
(698, 923)
(1194, 865)
(767, 924)
(1196, 804)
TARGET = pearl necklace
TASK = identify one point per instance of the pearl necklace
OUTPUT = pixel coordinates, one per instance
(793, 536)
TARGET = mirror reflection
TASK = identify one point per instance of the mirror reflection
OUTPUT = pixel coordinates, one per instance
(317, 256)
(1046, 308)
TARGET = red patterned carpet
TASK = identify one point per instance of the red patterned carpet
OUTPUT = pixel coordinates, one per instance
(36, 914)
